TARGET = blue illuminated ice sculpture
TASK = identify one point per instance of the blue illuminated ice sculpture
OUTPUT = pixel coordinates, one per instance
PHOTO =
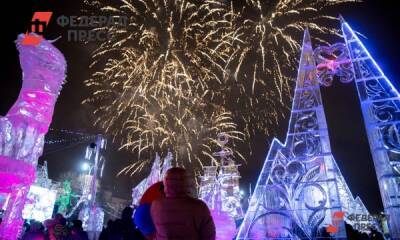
(380, 103)
(298, 190)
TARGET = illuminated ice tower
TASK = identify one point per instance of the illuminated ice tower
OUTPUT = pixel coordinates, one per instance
(23, 128)
(208, 185)
(92, 215)
(219, 189)
(297, 192)
(157, 174)
(154, 176)
(380, 103)
(219, 185)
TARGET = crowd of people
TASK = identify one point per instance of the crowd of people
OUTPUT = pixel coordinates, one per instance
(121, 229)
(176, 215)
(356, 235)
(57, 228)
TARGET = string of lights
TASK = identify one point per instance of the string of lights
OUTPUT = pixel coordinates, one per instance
(68, 139)
(77, 136)
(69, 132)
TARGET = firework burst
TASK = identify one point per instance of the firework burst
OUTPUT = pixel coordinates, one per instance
(183, 71)
(261, 73)
(153, 87)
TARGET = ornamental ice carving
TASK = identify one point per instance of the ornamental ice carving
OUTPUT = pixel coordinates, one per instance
(23, 129)
(298, 189)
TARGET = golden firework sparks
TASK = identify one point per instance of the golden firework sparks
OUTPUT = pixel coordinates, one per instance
(263, 69)
(183, 71)
(155, 82)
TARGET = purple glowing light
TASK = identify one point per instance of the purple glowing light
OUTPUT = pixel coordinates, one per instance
(23, 128)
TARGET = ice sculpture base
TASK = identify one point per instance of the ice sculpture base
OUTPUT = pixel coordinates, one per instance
(16, 177)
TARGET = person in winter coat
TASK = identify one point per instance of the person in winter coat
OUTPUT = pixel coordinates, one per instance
(178, 215)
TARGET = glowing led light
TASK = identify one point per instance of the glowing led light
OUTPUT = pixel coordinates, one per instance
(85, 166)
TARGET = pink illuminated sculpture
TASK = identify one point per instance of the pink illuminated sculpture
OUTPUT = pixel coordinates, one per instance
(225, 226)
(23, 129)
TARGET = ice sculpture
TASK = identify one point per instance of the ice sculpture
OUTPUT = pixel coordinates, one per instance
(41, 197)
(297, 191)
(225, 226)
(380, 103)
(65, 197)
(219, 189)
(208, 188)
(42, 177)
(353, 207)
(167, 164)
(157, 173)
(333, 61)
(92, 215)
(219, 185)
(40, 203)
(23, 129)
(153, 177)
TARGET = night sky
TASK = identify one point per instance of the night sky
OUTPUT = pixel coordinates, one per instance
(377, 20)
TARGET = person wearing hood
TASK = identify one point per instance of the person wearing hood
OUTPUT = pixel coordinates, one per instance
(179, 215)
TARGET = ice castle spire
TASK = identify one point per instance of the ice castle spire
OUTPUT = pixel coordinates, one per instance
(297, 191)
(157, 173)
(380, 103)
(219, 184)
